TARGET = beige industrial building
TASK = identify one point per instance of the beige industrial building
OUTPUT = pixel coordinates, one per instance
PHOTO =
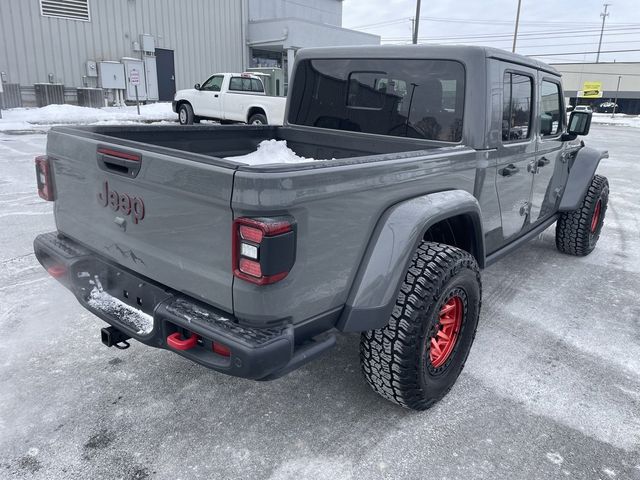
(617, 80)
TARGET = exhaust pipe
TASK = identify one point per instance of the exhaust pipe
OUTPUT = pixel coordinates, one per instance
(112, 337)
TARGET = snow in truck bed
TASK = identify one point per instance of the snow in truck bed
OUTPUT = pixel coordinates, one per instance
(271, 151)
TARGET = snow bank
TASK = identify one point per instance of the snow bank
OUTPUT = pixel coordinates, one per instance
(619, 119)
(271, 151)
(28, 118)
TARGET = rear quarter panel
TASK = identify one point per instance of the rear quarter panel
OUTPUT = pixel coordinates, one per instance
(336, 210)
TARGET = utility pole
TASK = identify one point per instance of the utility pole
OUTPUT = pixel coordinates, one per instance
(615, 102)
(604, 16)
(416, 23)
(515, 34)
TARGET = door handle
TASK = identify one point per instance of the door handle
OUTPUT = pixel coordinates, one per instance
(216, 95)
(543, 161)
(509, 170)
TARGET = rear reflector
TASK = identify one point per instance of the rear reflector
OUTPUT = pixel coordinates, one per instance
(221, 349)
(43, 178)
(57, 271)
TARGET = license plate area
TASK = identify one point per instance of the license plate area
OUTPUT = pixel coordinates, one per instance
(95, 278)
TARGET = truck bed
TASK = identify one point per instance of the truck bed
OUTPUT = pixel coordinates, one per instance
(219, 141)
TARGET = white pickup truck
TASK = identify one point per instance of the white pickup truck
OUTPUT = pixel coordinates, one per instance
(229, 97)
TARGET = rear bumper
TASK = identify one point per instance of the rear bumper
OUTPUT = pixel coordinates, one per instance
(150, 313)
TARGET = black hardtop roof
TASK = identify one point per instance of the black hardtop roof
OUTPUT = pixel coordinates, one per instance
(453, 52)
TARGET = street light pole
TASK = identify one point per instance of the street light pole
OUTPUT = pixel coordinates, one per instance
(604, 17)
(615, 102)
(416, 23)
(515, 34)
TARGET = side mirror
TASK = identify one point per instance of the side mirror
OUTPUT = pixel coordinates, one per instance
(197, 86)
(570, 108)
(579, 124)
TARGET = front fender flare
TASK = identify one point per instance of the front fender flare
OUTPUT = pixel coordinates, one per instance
(582, 171)
(390, 250)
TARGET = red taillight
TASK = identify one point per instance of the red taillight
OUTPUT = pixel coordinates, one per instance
(252, 234)
(43, 177)
(263, 249)
(250, 267)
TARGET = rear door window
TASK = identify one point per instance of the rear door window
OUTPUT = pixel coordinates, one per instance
(398, 97)
(516, 110)
(550, 109)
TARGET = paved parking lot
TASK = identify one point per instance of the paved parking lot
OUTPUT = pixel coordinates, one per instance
(551, 389)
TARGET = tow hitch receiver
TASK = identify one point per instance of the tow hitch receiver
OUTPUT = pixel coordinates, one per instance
(112, 337)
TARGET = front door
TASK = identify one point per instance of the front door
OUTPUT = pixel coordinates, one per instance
(550, 168)
(166, 74)
(208, 101)
(517, 150)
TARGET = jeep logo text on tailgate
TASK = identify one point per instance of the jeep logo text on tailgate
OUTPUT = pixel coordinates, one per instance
(121, 202)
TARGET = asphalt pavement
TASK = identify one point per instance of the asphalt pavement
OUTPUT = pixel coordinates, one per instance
(551, 388)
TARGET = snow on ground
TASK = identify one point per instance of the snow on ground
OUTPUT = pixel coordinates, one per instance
(618, 119)
(549, 391)
(271, 151)
(36, 118)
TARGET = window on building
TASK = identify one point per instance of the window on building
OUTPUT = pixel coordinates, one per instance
(550, 108)
(70, 9)
(398, 97)
(516, 112)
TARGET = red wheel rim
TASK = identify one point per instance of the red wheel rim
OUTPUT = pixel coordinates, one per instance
(596, 216)
(442, 343)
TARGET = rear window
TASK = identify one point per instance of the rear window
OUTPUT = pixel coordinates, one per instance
(402, 98)
(245, 84)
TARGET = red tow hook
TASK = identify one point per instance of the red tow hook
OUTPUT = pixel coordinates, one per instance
(176, 341)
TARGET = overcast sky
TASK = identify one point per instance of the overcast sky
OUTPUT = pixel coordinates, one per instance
(546, 26)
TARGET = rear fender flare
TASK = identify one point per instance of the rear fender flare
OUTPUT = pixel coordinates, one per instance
(394, 241)
(580, 175)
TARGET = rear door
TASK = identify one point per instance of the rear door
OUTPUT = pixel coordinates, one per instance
(517, 150)
(550, 170)
(164, 217)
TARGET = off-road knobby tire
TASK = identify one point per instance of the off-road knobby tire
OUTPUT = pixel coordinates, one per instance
(573, 229)
(395, 359)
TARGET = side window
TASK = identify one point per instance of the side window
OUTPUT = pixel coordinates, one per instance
(235, 83)
(516, 107)
(256, 85)
(550, 109)
(213, 84)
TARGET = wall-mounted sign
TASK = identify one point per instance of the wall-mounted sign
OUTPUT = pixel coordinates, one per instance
(591, 90)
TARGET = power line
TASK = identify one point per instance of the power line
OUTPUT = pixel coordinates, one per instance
(481, 22)
(582, 53)
(544, 33)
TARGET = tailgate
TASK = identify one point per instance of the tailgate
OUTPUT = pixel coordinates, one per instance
(165, 217)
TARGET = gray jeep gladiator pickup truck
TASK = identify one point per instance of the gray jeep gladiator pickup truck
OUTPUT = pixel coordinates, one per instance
(431, 163)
